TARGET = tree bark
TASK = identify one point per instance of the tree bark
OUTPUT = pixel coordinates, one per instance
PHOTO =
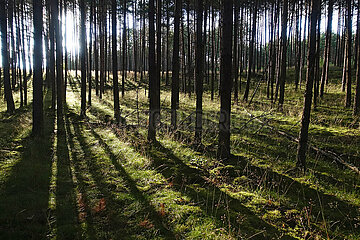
(175, 66)
(154, 89)
(282, 79)
(226, 78)
(38, 113)
(305, 120)
(235, 51)
(5, 59)
(83, 57)
(199, 70)
(327, 50)
(115, 63)
(348, 55)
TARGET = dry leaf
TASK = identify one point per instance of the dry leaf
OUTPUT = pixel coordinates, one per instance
(162, 209)
(101, 206)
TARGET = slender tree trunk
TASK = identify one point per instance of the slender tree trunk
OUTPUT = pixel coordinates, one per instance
(189, 68)
(327, 50)
(102, 49)
(167, 43)
(124, 51)
(357, 91)
(18, 52)
(90, 51)
(235, 52)
(59, 78)
(158, 37)
(115, 63)
(52, 54)
(23, 57)
(154, 94)
(251, 52)
(66, 68)
(348, 56)
(305, 120)
(96, 51)
(298, 50)
(38, 113)
(175, 66)
(199, 70)
(12, 43)
(317, 63)
(282, 79)
(213, 49)
(226, 78)
(83, 57)
(5, 59)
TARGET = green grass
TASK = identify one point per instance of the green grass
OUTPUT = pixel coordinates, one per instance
(90, 179)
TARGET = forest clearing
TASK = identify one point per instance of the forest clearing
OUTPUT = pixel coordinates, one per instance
(157, 119)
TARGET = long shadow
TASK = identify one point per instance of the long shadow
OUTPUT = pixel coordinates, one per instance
(115, 205)
(86, 217)
(131, 184)
(67, 226)
(341, 215)
(24, 198)
(211, 199)
(294, 190)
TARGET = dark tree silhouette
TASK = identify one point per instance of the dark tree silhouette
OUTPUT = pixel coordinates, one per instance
(199, 70)
(154, 89)
(5, 59)
(305, 120)
(115, 62)
(225, 79)
(83, 57)
(251, 52)
(175, 66)
(38, 113)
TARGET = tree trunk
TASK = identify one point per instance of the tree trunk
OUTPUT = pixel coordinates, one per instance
(23, 57)
(124, 52)
(52, 54)
(167, 43)
(317, 63)
(38, 113)
(59, 79)
(251, 52)
(327, 50)
(5, 59)
(357, 91)
(226, 79)
(154, 89)
(83, 57)
(348, 56)
(96, 51)
(199, 70)
(305, 120)
(282, 79)
(90, 51)
(175, 66)
(235, 52)
(115, 63)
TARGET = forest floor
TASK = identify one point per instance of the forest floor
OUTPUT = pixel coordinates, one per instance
(90, 179)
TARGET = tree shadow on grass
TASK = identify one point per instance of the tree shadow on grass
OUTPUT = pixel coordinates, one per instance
(212, 200)
(117, 222)
(25, 196)
(340, 215)
(131, 184)
(67, 226)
